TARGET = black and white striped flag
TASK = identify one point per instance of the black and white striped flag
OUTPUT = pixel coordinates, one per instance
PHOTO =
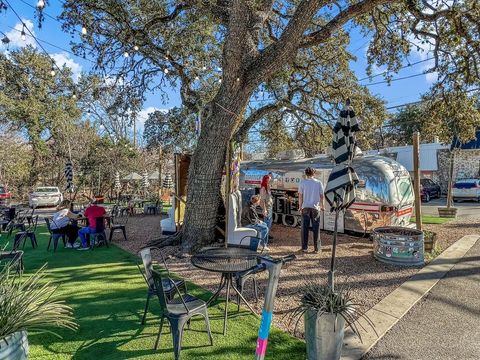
(340, 190)
(69, 176)
(168, 182)
(118, 185)
(146, 182)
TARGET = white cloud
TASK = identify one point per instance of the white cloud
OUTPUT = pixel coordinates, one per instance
(143, 114)
(423, 52)
(62, 59)
(15, 36)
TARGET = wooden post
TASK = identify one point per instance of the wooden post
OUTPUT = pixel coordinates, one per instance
(416, 174)
(228, 164)
(450, 180)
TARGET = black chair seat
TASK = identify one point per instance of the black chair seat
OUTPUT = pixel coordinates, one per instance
(176, 307)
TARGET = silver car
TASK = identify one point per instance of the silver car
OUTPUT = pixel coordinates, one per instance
(45, 196)
(466, 189)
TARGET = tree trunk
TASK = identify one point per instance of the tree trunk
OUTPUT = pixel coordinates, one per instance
(206, 169)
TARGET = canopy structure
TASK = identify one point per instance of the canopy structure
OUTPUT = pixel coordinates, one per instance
(153, 176)
(132, 177)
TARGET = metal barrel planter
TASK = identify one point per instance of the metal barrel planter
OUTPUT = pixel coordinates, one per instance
(14, 346)
(398, 245)
(323, 335)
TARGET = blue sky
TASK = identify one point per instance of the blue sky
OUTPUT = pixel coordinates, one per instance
(399, 92)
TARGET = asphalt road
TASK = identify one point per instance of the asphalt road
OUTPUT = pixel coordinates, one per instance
(465, 208)
(444, 325)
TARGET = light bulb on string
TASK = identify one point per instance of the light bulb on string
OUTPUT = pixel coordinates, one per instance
(74, 96)
(197, 78)
(165, 71)
(238, 79)
(126, 54)
(52, 72)
(204, 68)
(84, 30)
(135, 48)
(41, 4)
(219, 81)
(23, 36)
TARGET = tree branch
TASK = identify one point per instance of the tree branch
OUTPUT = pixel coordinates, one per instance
(241, 134)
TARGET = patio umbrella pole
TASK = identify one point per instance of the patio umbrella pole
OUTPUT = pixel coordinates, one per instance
(331, 273)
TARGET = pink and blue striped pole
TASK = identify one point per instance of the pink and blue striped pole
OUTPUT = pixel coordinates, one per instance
(274, 267)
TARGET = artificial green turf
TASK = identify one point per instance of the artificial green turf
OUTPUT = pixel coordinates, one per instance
(107, 293)
(428, 219)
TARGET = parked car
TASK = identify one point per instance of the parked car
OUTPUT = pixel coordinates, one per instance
(466, 189)
(429, 189)
(45, 196)
(5, 195)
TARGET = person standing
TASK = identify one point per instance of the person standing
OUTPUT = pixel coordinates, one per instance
(251, 220)
(266, 201)
(310, 203)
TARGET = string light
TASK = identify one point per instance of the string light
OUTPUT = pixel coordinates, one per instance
(135, 48)
(238, 79)
(22, 34)
(52, 72)
(197, 78)
(204, 68)
(74, 96)
(41, 4)
(165, 71)
(219, 81)
(84, 30)
(126, 54)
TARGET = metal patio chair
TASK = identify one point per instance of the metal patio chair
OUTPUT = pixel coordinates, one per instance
(168, 285)
(53, 236)
(178, 313)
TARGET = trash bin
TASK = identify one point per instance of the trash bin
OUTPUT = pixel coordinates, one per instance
(398, 245)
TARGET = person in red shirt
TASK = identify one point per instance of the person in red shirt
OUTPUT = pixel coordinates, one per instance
(91, 213)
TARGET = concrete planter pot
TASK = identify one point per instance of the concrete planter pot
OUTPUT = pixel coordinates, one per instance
(14, 346)
(323, 335)
(447, 212)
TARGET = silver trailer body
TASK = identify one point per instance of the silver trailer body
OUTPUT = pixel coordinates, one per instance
(384, 196)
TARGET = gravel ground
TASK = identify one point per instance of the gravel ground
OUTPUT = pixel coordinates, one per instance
(369, 280)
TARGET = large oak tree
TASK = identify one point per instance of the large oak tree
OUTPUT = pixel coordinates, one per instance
(258, 46)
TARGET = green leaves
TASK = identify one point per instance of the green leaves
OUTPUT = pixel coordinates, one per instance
(30, 304)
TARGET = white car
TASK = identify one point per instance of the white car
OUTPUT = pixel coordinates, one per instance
(466, 189)
(45, 196)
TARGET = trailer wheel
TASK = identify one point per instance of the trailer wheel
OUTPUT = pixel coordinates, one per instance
(289, 220)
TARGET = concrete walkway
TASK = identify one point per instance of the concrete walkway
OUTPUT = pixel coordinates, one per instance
(445, 324)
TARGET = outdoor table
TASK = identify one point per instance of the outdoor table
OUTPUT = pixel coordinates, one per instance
(228, 262)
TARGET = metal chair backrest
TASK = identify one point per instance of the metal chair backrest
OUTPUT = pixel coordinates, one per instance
(147, 266)
(33, 225)
(157, 280)
(99, 224)
(248, 242)
(47, 221)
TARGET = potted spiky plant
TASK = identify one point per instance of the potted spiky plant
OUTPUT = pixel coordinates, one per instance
(27, 304)
(326, 313)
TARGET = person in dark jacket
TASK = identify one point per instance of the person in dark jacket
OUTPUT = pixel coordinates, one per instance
(250, 219)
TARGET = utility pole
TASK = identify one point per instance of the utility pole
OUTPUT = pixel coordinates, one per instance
(416, 175)
(134, 132)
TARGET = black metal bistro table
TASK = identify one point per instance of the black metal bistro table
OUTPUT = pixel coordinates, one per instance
(228, 262)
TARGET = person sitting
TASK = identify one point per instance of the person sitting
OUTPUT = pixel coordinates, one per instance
(61, 223)
(91, 213)
(250, 219)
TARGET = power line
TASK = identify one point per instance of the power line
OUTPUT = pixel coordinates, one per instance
(403, 67)
(53, 45)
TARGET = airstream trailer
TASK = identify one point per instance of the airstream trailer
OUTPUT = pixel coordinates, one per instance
(384, 196)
